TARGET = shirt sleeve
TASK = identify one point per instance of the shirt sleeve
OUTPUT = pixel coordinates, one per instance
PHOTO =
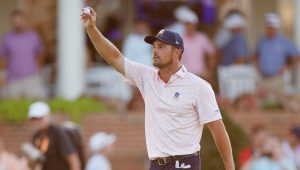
(136, 73)
(206, 105)
(3, 48)
(66, 147)
(292, 51)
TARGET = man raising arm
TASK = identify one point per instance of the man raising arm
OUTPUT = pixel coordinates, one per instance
(103, 46)
(177, 103)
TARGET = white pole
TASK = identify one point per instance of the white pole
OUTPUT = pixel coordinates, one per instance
(71, 50)
(297, 41)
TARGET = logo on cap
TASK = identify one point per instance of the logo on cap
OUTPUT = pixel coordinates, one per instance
(161, 31)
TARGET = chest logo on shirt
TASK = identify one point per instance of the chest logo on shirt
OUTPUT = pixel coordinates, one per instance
(176, 95)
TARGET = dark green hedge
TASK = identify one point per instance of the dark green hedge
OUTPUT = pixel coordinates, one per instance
(210, 157)
(15, 111)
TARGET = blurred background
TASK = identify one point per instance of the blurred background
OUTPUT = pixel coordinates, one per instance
(247, 50)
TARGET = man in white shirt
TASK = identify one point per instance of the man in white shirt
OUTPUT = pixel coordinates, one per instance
(177, 103)
(101, 145)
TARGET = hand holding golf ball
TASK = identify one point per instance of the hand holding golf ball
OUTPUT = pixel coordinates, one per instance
(88, 17)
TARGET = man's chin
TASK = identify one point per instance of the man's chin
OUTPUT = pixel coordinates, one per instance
(156, 65)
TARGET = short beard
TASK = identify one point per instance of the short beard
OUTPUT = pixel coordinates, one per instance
(161, 65)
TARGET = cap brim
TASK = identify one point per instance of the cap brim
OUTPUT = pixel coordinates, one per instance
(150, 39)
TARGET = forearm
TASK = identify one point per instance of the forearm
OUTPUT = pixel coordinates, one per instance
(224, 147)
(103, 46)
(222, 142)
(2, 63)
(73, 161)
(240, 60)
(211, 62)
(41, 61)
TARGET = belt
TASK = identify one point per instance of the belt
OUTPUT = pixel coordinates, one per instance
(167, 160)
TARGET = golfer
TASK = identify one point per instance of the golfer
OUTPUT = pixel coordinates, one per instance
(177, 103)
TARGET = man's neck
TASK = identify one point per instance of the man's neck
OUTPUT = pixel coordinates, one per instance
(191, 33)
(272, 36)
(166, 73)
(19, 30)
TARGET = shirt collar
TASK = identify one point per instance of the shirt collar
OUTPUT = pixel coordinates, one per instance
(181, 72)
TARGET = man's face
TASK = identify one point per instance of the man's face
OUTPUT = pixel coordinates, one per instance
(190, 27)
(18, 21)
(163, 54)
(259, 138)
(142, 28)
(271, 31)
(40, 123)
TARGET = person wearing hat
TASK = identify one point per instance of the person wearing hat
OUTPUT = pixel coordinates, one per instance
(52, 140)
(101, 146)
(10, 161)
(177, 103)
(235, 50)
(272, 56)
(291, 147)
(199, 54)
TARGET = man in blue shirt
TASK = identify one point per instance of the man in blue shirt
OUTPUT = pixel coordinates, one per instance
(272, 55)
(235, 50)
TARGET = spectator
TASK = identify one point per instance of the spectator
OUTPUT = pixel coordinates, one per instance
(101, 145)
(272, 157)
(52, 140)
(272, 55)
(291, 148)
(199, 53)
(135, 50)
(180, 14)
(235, 50)
(223, 35)
(74, 133)
(258, 135)
(9, 161)
(22, 52)
(133, 47)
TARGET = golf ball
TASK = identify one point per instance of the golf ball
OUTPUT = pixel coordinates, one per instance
(86, 10)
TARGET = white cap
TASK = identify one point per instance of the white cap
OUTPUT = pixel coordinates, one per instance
(184, 14)
(38, 110)
(100, 140)
(272, 20)
(234, 21)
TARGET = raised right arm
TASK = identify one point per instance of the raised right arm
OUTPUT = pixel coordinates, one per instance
(104, 47)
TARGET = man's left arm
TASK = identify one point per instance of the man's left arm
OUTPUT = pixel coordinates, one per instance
(39, 52)
(210, 52)
(222, 142)
(68, 150)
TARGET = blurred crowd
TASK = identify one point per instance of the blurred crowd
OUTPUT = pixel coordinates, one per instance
(60, 147)
(224, 60)
(23, 74)
(267, 151)
(57, 146)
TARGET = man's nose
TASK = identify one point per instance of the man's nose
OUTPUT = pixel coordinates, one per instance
(154, 51)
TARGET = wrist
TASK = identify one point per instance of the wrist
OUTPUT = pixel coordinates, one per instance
(92, 27)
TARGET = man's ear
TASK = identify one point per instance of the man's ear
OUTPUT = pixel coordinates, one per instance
(179, 53)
